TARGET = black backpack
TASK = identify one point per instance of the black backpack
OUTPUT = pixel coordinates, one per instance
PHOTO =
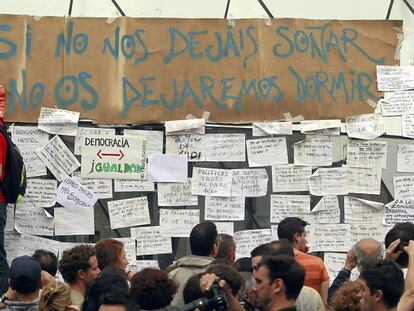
(14, 182)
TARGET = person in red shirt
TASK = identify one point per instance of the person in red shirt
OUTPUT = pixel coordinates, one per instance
(4, 267)
(316, 275)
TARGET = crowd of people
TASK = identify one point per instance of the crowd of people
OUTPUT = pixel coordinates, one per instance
(280, 275)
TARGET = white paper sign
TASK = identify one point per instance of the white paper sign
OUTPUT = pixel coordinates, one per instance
(326, 211)
(58, 158)
(249, 182)
(89, 131)
(365, 126)
(362, 211)
(30, 219)
(114, 156)
(407, 123)
(167, 168)
(142, 264)
(28, 139)
(334, 238)
(155, 139)
(58, 121)
(178, 222)
(211, 182)
(313, 151)
(367, 154)
(224, 208)
(101, 187)
(376, 231)
(176, 194)
(72, 194)
(272, 128)
(364, 180)
(41, 192)
(394, 78)
(290, 178)
(129, 212)
(247, 240)
(404, 187)
(405, 158)
(399, 210)
(329, 181)
(398, 103)
(225, 148)
(74, 221)
(128, 185)
(267, 151)
(225, 227)
(194, 146)
(150, 241)
(334, 262)
(273, 229)
(321, 127)
(282, 206)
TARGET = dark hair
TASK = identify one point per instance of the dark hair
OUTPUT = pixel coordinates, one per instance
(405, 232)
(152, 289)
(286, 268)
(289, 226)
(384, 275)
(108, 252)
(192, 289)
(226, 244)
(48, 261)
(244, 264)
(260, 250)
(110, 288)
(75, 259)
(280, 247)
(229, 274)
(202, 238)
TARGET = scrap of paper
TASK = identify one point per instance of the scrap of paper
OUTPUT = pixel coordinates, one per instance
(211, 182)
(266, 151)
(178, 222)
(129, 212)
(247, 240)
(365, 126)
(176, 194)
(329, 181)
(225, 227)
(362, 211)
(74, 221)
(271, 128)
(249, 182)
(404, 187)
(224, 208)
(40, 192)
(129, 185)
(192, 145)
(398, 103)
(58, 158)
(290, 177)
(395, 78)
(282, 206)
(367, 154)
(407, 124)
(31, 219)
(364, 180)
(326, 211)
(225, 148)
(313, 151)
(399, 210)
(155, 139)
(101, 187)
(321, 127)
(70, 193)
(330, 238)
(150, 241)
(58, 121)
(167, 168)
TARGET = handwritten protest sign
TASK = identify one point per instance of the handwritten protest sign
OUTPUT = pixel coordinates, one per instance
(250, 72)
(70, 193)
(129, 212)
(114, 156)
(224, 208)
(150, 241)
(178, 222)
(247, 240)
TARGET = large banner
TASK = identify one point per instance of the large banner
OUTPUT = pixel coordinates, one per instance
(129, 70)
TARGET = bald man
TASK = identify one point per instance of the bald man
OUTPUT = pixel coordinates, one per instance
(365, 251)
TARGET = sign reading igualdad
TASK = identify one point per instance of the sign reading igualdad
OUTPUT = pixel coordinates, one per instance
(113, 157)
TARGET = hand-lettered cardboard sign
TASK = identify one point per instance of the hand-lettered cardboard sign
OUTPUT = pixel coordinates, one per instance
(114, 156)
(134, 70)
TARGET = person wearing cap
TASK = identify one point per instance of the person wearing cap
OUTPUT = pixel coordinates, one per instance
(25, 284)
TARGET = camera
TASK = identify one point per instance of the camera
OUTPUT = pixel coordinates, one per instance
(215, 300)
